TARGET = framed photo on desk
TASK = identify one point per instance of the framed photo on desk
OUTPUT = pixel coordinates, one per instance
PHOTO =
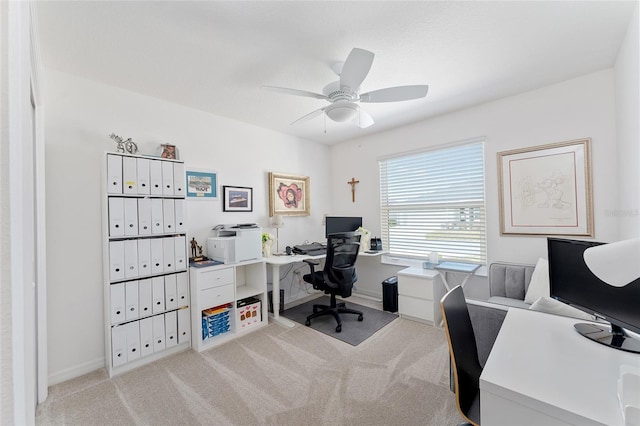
(288, 195)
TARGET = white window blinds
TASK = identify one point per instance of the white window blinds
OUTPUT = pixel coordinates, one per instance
(434, 201)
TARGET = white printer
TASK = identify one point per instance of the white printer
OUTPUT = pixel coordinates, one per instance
(235, 243)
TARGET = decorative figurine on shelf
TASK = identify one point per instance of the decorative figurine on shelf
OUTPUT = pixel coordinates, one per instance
(194, 246)
(123, 146)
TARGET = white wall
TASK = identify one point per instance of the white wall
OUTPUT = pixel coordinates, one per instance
(579, 108)
(80, 116)
(627, 73)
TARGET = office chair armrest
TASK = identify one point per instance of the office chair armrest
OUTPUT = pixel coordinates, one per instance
(311, 263)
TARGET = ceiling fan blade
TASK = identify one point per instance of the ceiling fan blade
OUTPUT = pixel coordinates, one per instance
(363, 119)
(355, 69)
(394, 94)
(295, 92)
(309, 116)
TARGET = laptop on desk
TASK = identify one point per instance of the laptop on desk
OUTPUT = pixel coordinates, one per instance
(312, 249)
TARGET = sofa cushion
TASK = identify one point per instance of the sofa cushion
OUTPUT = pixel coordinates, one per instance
(539, 284)
(509, 280)
(507, 301)
(553, 306)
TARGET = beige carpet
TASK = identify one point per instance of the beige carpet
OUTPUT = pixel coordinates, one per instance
(274, 376)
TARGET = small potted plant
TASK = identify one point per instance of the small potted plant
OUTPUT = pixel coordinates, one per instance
(267, 241)
(365, 238)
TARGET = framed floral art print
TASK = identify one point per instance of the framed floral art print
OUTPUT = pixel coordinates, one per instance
(289, 195)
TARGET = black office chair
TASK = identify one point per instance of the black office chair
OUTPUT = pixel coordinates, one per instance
(464, 354)
(337, 277)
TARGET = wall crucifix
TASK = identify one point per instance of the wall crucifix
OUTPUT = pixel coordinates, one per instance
(353, 183)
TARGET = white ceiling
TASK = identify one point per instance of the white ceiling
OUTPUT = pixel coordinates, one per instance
(215, 55)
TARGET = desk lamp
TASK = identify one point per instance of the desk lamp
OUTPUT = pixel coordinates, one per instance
(277, 222)
(617, 264)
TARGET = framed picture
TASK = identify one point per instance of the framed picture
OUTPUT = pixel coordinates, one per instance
(546, 190)
(289, 195)
(202, 185)
(237, 199)
(168, 151)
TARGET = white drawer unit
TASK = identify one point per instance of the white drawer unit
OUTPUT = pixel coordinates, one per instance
(146, 285)
(215, 278)
(216, 290)
(216, 296)
(419, 294)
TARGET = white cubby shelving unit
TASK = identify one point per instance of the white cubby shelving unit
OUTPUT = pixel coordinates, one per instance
(225, 285)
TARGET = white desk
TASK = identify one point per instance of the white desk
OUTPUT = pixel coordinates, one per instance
(276, 262)
(542, 372)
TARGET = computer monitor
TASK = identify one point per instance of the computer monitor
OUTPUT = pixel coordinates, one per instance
(573, 283)
(338, 224)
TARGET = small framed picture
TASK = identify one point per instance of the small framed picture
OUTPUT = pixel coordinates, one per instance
(202, 185)
(168, 151)
(237, 199)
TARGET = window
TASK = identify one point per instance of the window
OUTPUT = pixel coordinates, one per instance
(434, 201)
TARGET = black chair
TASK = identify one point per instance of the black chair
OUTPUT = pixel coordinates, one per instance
(464, 354)
(337, 277)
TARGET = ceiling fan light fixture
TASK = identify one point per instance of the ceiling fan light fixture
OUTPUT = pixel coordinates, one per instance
(342, 111)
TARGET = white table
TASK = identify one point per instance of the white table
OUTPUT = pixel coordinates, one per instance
(276, 262)
(469, 269)
(542, 372)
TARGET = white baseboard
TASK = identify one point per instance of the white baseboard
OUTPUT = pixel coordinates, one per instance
(76, 371)
(376, 297)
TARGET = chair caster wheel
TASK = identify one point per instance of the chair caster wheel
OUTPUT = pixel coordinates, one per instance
(360, 317)
(339, 329)
(307, 323)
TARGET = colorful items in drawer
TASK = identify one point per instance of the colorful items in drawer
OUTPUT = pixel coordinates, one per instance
(215, 321)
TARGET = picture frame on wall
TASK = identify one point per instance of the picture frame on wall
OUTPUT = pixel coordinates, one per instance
(289, 195)
(237, 199)
(202, 185)
(547, 190)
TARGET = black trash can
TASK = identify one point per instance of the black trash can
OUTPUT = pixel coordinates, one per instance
(270, 295)
(390, 294)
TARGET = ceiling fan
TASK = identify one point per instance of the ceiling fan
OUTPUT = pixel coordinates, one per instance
(345, 93)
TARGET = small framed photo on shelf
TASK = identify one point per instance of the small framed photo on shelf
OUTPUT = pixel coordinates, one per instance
(202, 185)
(168, 151)
(237, 199)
